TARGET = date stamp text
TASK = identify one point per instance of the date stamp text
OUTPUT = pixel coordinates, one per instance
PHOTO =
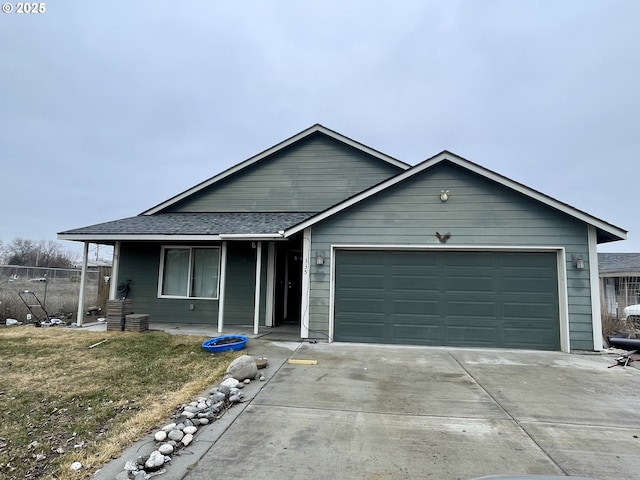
(27, 8)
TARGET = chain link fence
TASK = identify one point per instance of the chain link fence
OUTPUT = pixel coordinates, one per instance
(57, 289)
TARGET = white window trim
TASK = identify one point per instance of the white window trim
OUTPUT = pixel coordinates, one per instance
(190, 248)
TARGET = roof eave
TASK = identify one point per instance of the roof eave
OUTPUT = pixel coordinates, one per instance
(110, 238)
(620, 273)
(97, 238)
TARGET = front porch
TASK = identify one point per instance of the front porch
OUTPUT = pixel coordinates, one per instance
(281, 333)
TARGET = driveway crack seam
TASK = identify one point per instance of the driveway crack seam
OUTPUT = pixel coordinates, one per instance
(520, 426)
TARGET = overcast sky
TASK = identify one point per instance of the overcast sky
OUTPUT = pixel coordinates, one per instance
(108, 108)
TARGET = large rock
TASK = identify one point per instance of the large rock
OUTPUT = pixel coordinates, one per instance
(155, 461)
(242, 368)
(166, 449)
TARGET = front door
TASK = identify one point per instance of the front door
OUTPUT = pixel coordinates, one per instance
(294, 286)
(288, 293)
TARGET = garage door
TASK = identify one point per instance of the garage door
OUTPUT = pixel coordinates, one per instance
(480, 299)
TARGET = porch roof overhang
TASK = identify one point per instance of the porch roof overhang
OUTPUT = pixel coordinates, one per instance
(190, 227)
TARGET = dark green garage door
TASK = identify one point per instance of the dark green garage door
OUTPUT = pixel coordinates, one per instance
(480, 299)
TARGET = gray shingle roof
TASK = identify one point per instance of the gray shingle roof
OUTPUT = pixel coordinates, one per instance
(250, 223)
(619, 263)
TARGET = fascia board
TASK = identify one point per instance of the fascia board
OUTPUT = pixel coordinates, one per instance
(621, 274)
(250, 236)
(159, 237)
(88, 237)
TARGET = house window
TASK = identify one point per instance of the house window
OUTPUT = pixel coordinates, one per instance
(189, 272)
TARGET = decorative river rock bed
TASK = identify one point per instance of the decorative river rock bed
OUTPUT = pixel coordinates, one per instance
(178, 434)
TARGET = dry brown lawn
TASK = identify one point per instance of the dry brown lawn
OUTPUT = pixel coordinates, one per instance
(62, 401)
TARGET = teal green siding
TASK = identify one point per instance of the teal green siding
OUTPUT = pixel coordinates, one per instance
(308, 176)
(140, 263)
(478, 212)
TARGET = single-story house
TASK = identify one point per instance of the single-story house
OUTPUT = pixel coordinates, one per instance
(353, 245)
(619, 281)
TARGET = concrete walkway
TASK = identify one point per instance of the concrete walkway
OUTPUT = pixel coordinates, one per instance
(393, 412)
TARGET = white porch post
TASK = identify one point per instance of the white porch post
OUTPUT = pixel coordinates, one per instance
(256, 299)
(115, 266)
(306, 265)
(223, 282)
(271, 273)
(83, 278)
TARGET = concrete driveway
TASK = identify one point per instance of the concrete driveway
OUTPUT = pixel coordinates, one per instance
(395, 412)
(389, 412)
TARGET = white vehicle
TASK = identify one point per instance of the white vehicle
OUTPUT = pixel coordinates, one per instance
(632, 311)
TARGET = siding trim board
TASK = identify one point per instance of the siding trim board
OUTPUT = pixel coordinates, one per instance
(560, 262)
(596, 312)
(306, 270)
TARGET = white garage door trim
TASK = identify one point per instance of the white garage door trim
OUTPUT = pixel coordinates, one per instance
(563, 302)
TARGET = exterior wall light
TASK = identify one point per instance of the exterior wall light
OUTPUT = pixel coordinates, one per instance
(578, 262)
(320, 258)
(444, 195)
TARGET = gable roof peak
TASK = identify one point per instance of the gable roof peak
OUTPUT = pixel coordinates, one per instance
(315, 128)
(606, 231)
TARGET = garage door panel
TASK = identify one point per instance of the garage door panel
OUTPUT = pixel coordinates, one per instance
(465, 285)
(478, 336)
(529, 285)
(530, 311)
(365, 282)
(418, 308)
(529, 338)
(470, 309)
(372, 305)
(414, 282)
(464, 259)
(496, 299)
(363, 259)
(411, 334)
(353, 332)
(412, 258)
